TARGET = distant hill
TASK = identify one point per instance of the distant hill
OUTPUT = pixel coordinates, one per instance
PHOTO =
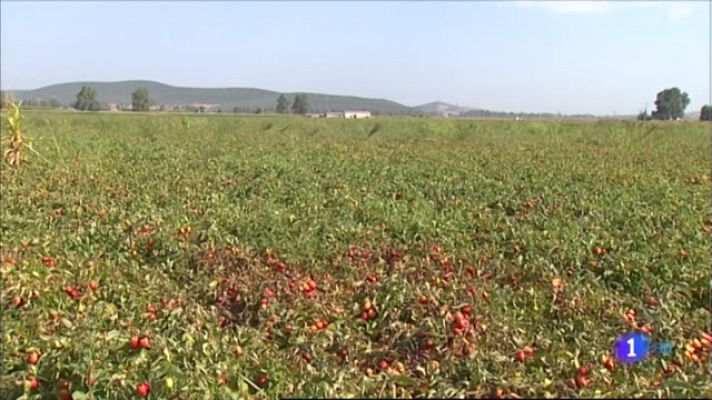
(227, 99)
(251, 99)
(442, 109)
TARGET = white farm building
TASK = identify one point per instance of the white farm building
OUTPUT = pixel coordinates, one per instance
(357, 114)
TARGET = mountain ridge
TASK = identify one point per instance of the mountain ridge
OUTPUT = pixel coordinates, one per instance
(225, 98)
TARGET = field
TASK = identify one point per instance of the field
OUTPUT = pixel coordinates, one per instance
(259, 256)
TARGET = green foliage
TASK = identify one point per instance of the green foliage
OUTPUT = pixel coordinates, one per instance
(644, 116)
(300, 104)
(550, 231)
(282, 104)
(140, 99)
(671, 104)
(706, 113)
(226, 98)
(87, 99)
(13, 141)
(41, 103)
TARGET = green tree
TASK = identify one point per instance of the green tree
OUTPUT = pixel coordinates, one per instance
(86, 99)
(706, 113)
(140, 100)
(671, 104)
(54, 103)
(300, 105)
(282, 105)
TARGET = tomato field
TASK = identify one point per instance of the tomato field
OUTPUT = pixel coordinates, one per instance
(223, 256)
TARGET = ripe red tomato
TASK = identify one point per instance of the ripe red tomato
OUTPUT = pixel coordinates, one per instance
(145, 343)
(609, 363)
(71, 292)
(93, 285)
(34, 383)
(521, 356)
(143, 389)
(33, 358)
(466, 309)
(134, 342)
(49, 261)
(18, 302)
(462, 323)
(262, 380)
(581, 381)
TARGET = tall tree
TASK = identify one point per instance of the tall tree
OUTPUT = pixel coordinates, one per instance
(706, 113)
(86, 99)
(300, 105)
(671, 104)
(282, 104)
(140, 100)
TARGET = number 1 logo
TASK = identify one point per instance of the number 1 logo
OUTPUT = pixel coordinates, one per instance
(632, 348)
(631, 353)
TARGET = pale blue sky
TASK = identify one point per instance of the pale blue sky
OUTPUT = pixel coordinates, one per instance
(581, 57)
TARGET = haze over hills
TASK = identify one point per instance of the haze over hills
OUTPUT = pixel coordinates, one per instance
(226, 99)
(442, 108)
(251, 100)
(694, 115)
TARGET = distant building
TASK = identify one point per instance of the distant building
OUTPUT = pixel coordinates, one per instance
(201, 108)
(357, 114)
(333, 115)
(314, 115)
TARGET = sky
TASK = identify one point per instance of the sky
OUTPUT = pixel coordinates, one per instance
(599, 57)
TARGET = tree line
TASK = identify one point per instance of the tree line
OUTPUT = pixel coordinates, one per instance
(670, 104)
(140, 101)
